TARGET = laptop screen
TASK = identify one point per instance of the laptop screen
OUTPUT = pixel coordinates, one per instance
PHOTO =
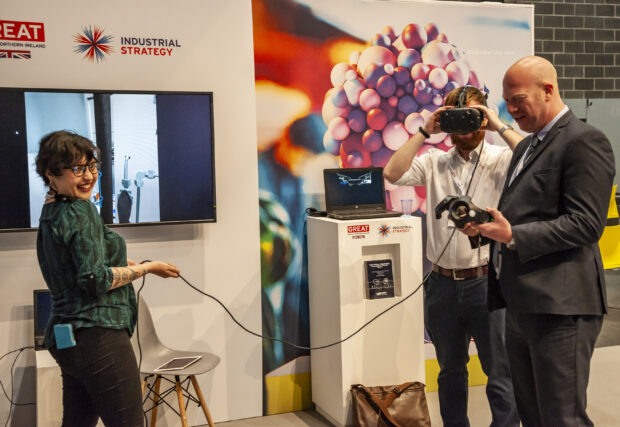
(42, 313)
(354, 188)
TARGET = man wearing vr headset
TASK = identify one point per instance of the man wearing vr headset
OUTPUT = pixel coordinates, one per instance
(546, 267)
(455, 293)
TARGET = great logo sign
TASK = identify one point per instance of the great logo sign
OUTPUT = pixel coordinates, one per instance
(20, 34)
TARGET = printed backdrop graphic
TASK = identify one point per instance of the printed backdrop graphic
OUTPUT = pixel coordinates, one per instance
(345, 84)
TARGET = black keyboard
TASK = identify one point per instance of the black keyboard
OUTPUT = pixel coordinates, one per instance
(363, 214)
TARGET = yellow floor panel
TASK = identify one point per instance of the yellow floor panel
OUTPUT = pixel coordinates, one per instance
(610, 247)
(287, 393)
(610, 240)
(476, 375)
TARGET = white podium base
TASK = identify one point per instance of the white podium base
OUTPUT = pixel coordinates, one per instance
(388, 351)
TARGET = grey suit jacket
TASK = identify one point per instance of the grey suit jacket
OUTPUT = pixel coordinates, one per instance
(557, 207)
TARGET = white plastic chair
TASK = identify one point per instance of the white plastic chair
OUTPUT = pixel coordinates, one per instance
(155, 354)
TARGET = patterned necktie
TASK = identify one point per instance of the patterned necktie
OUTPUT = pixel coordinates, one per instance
(530, 149)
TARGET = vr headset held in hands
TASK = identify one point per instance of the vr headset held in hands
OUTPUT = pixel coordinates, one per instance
(461, 119)
(462, 210)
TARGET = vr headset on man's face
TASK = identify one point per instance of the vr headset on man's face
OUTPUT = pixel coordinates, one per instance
(461, 119)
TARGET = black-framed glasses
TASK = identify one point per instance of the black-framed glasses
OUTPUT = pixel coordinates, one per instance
(79, 170)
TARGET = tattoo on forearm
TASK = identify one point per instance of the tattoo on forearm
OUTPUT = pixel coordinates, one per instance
(123, 275)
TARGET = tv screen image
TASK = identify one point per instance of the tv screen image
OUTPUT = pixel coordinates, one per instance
(156, 152)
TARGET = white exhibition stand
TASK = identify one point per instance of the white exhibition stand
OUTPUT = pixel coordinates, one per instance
(49, 390)
(391, 349)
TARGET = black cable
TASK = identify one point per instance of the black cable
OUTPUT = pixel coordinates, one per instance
(12, 389)
(475, 167)
(466, 193)
(146, 420)
(10, 399)
(20, 350)
(301, 347)
(138, 329)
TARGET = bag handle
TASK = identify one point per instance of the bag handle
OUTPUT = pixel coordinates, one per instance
(383, 404)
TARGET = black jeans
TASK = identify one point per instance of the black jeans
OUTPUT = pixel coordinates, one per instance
(100, 378)
(454, 312)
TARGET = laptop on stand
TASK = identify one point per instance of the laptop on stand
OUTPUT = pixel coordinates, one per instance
(42, 304)
(355, 193)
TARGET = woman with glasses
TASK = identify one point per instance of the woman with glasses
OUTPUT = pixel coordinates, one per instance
(86, 268)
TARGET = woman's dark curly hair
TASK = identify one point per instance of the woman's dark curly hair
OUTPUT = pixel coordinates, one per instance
(61, 149)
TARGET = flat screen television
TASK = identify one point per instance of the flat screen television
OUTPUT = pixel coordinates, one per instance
(156, 151)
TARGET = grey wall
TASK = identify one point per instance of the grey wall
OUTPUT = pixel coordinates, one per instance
(605, 115)
(582, 39)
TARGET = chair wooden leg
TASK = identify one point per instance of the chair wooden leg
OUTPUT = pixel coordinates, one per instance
(181, 403)
(143, 386)
(202, 400)
(155, 400)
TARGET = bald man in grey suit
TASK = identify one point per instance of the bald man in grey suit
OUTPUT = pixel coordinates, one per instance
(547, 269)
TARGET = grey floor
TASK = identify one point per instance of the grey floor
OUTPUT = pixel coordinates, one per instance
(610, 334)
(603, 390)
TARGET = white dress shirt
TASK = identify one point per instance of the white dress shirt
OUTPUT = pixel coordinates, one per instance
(448, 174)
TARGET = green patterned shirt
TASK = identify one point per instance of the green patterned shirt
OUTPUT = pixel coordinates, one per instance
(75, 251)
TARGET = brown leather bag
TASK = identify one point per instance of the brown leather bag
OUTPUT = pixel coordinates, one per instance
(390, 406)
